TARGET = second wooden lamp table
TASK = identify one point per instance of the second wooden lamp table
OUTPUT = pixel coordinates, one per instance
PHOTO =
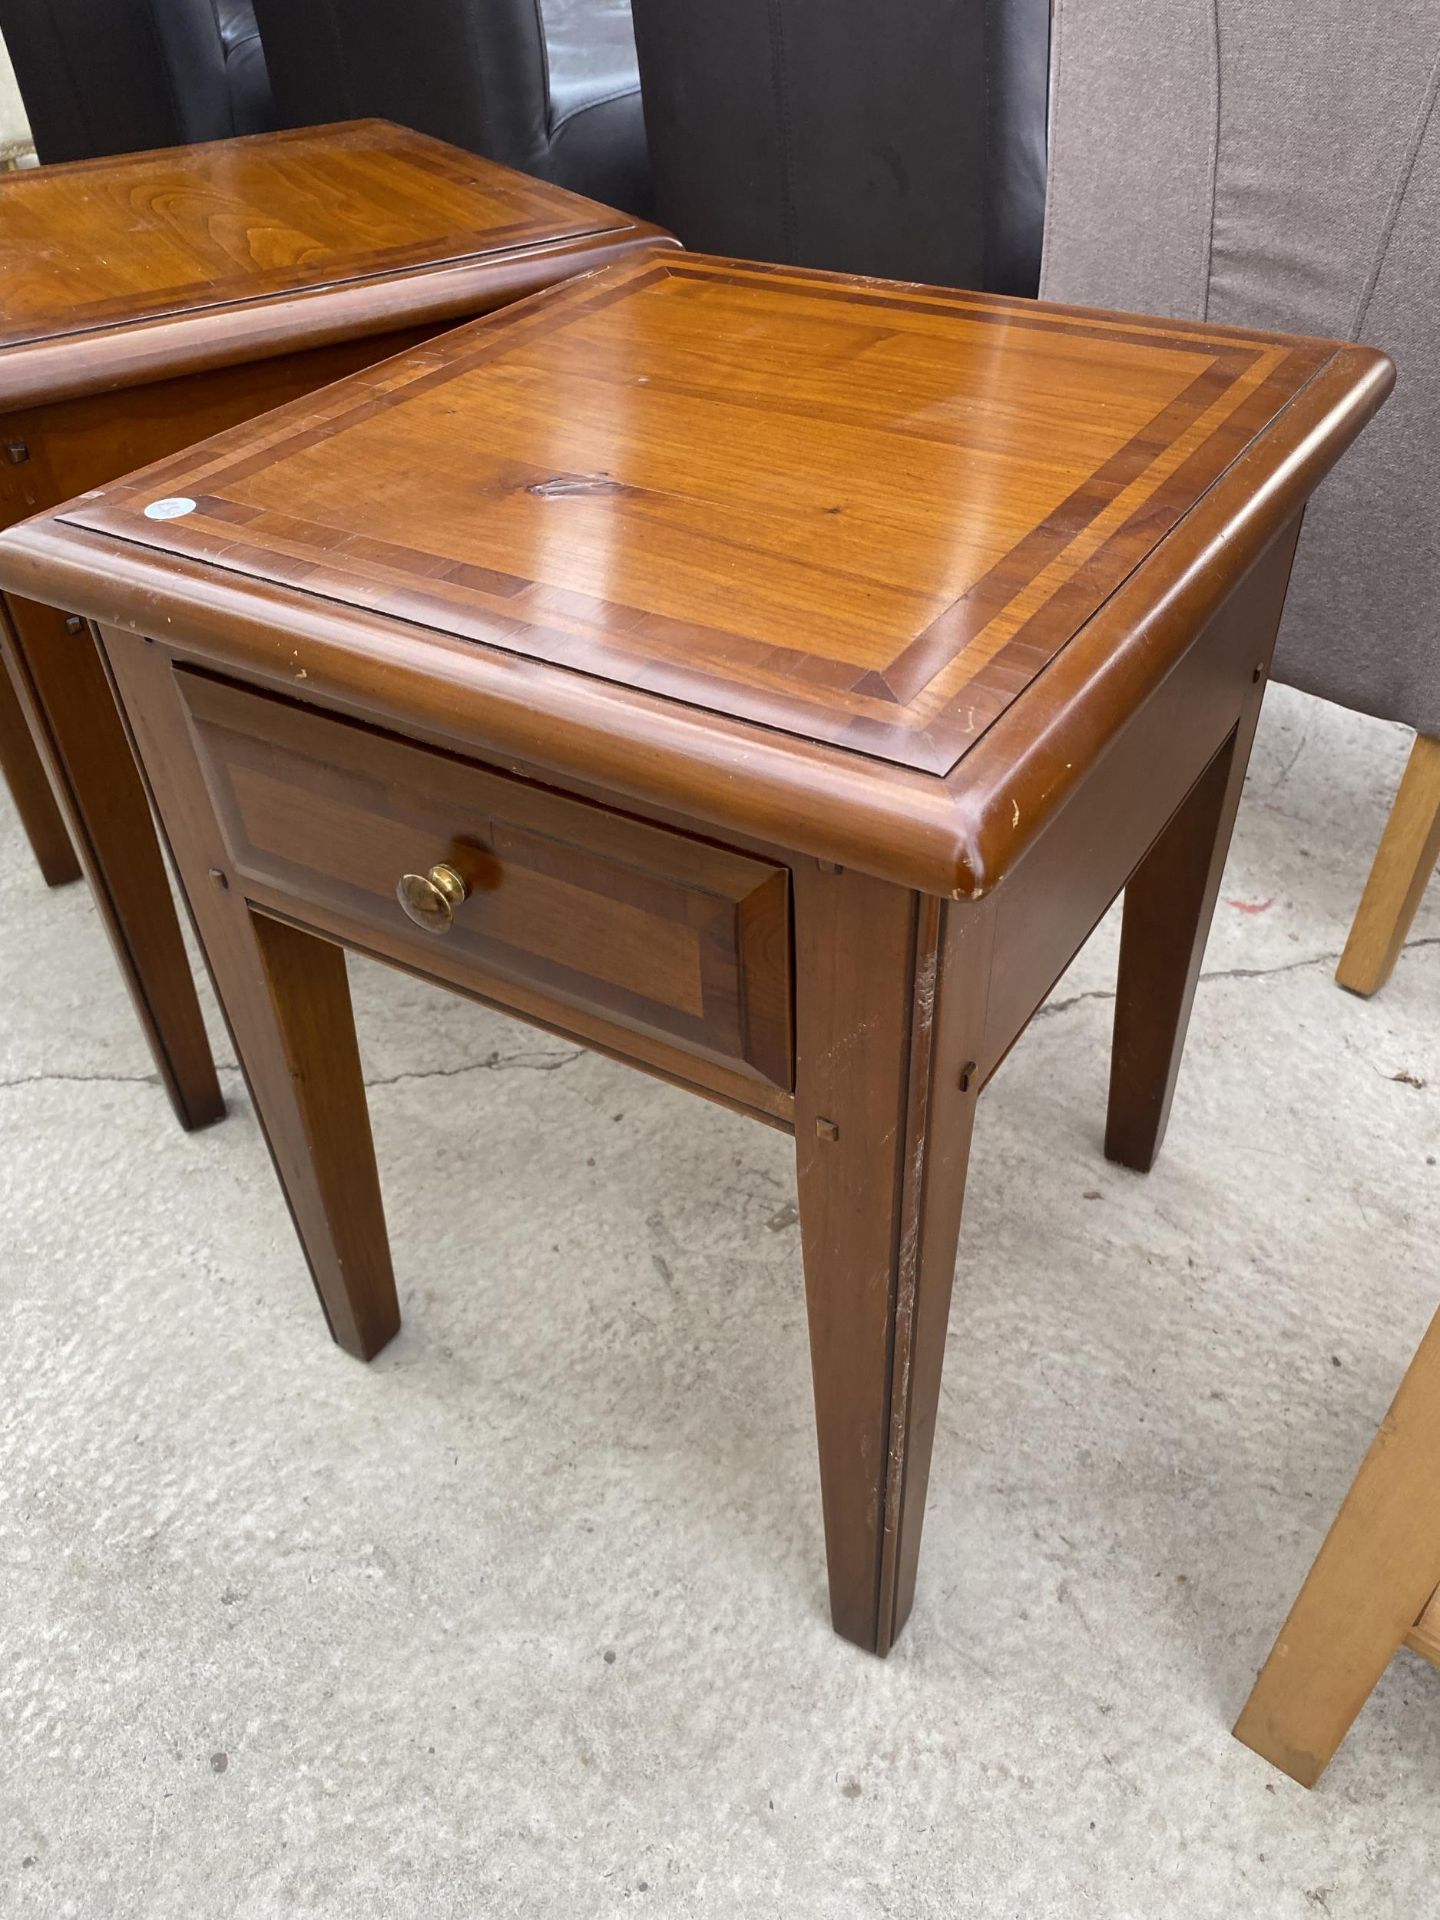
(149, 300)
(765, 677)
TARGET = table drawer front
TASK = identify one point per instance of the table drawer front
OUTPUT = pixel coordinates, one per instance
(645, 926)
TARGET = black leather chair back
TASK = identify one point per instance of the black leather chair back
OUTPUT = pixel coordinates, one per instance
(468, 71)
(903, 138)
(119, 76)
(549, 88)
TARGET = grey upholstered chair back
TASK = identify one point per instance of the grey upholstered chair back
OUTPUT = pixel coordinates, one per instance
(1276, 163)
(118, 76)
(866, 135)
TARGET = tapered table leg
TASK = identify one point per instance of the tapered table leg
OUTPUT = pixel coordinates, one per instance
(62, 680)
(1169, 905)
(890, 1001)
(286, 999)
(306, 1081)
(1170, 900)
(30, 789)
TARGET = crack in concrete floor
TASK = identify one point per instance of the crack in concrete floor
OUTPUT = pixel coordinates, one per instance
(551, 1063)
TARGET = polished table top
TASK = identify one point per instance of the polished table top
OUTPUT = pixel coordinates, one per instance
(740, 538)
(231, 237)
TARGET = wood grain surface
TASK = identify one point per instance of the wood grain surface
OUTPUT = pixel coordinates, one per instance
(144, 266)
(469, 536)
(672, 936)
(858, 515)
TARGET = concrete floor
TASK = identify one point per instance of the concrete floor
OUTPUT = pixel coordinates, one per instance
(528, 1617)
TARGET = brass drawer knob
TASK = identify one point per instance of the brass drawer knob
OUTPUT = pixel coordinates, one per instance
(430, 899)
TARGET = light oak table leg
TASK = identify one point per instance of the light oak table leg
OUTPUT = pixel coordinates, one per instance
(62, 681)
(1369, 1585)
(286, 1000)
(1404, 862)
(30, 789)
(890, 1004)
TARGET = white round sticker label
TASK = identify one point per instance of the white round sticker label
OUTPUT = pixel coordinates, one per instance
(171, 509)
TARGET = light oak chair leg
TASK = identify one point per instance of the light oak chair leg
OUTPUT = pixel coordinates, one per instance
(1169, 905)
(890, 1002)
(61, 680)
(1369, 1585)
(1404, 862)
(30, 789)
(286, 1000)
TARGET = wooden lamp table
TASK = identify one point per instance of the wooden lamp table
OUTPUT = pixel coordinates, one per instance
(148, 301)
(765, 677)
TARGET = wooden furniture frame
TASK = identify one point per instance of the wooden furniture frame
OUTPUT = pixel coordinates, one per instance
(148, 300)
(1404, 862)
(764, 677)
(1372, 1589)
